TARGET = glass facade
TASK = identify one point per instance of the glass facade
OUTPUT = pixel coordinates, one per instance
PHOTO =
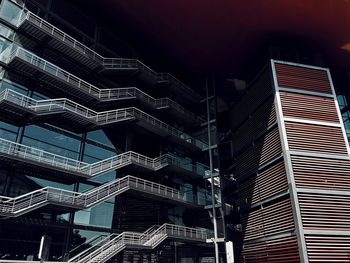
(36, 135)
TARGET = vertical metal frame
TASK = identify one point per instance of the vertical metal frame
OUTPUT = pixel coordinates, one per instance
(289, 169)
(338, 112)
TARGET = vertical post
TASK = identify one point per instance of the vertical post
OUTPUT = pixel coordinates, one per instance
(216, 246)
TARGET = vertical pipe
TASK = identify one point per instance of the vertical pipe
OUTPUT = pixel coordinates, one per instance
(216, 246)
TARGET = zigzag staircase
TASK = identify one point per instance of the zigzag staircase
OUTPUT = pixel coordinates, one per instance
(85, 118)
(11, 150)
(16, 206)
(149, 239)
(41, 29)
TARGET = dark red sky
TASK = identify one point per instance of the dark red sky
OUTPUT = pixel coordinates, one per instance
(201, 36)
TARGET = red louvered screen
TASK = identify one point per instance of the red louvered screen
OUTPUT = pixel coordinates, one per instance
(279, 250)
(328, 248)
(260, 120)
(324, 211)
(265, 149)
(302, 78)
(267, 183)
(311, 172)
(308, 107)
(315, 138)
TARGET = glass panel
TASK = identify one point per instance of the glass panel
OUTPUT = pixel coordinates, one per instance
(5, 49)
(99, 136)
(6, 32)
(100, 215)
(7, 84)
(10, 12)
(8, 131)
(51, 141)
(96, 152)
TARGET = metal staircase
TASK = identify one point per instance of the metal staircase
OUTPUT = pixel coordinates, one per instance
(16, 206)
(25, 61)
(22, 106)
(41, 29)
(150, 239)
(19, 152)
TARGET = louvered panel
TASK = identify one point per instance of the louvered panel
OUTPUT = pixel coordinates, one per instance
(257, 92)
(308, 107)
(302, 78)
(269, 220)
(248, 192)
(278, 218)
(280, 250)
(273, 180)
(263, 185)
(253, 225)
(326, 212)
(328, 248)
(265, 149)
(263, 118)
(310, 172)
(315, 138)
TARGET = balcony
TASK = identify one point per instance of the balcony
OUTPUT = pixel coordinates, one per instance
(64, 113)
(57, 39)
(53, 166)
(28, 63)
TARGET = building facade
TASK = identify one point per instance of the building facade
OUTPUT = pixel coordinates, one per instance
(102, 154)
(291, 167)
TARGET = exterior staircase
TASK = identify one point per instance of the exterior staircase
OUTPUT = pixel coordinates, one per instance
(86, 118)
(16, 206)
(11, 150)
(150, 239)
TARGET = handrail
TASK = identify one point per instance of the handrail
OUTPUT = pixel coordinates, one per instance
(92, 241)
(100, 94)
(115, 243)
(15, 206)
(95, 118)
(91, 170)
(109, 63)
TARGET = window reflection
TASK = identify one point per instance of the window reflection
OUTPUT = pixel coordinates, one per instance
(10, 12)
(100, 215)
(51, 141)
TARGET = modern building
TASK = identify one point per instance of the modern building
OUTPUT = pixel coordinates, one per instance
(106, 159)
(105, 170)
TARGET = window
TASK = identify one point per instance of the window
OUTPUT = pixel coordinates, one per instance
(10, 12)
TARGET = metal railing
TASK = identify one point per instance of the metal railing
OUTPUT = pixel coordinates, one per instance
(108, 63)
(90, 170)
(94, 118)
(59, 34)
(150, 239)
(15, 206)
(100, 94)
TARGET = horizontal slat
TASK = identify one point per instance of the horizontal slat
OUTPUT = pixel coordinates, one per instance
(265, 149)
(325, 212)
(315, 138)
(307, 79)
(269, 220)
(328, 248)
(309, 107)
(310, 172)
(257, 92)
(263, 185)
(259, 122)
(273, 251)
